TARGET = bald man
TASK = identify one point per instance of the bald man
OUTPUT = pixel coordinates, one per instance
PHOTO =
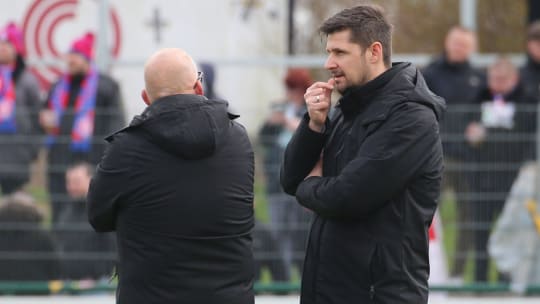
(177, 187)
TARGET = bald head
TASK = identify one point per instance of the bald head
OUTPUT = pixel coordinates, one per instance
(169, 72)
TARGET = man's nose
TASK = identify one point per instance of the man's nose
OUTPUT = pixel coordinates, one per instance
(330, 63)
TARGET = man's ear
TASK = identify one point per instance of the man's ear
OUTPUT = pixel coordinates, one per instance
(199, 88)
(145, 97)
(375, 52)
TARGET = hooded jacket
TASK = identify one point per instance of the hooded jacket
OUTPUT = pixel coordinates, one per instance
(382, 166)
(177, 187)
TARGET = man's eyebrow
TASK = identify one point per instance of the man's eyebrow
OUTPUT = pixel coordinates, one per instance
(334, 49)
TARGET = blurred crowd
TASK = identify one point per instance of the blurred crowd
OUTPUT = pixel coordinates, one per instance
(490, 145)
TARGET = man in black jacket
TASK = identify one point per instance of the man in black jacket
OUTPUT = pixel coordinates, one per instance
(452, 77)
(177, 187)
(371, 172)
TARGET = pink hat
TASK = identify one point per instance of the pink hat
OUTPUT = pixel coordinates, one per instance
(12, 34)
(84, 46)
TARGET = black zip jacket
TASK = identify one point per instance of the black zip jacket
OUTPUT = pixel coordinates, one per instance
(382, 166)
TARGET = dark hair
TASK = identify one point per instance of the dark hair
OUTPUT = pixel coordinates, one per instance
(533, 32)
(367, 23)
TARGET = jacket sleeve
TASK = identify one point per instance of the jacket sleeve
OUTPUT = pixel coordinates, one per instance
(301, 155)
(384, 164)
(108, 185)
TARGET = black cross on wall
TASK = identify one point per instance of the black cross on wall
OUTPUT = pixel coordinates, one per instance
(157, 23)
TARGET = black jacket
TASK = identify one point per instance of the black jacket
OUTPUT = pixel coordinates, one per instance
(530, 79)
(459, 84)
(382, 166)
(108, 118)
(85, 253)
(504, 151)
(177, 186)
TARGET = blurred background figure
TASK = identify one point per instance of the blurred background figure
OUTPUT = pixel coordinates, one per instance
(19, 106)
(452, 77)
(82, 108)
(21, 233)
(86, 255)
(500, 142)
(209, 74)
(289, 221)
(514, 244)
(530, 72)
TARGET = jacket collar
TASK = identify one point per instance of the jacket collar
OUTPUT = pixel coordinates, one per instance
(357, 98)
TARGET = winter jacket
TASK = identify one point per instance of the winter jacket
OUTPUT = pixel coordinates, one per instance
(530, 78)
(177, 187)
(108, 118)
(19, 149)
(86, 254)
(382, 166)
(459, 84)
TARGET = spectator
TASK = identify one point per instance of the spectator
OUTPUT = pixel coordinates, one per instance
(501, 140)
(209, 73)
(19, 104)
(86, 254)
(28, 251)
(452, 77)
(83, 107)
(177, 187)
(289, 221)
(530, 72)
(514, 243)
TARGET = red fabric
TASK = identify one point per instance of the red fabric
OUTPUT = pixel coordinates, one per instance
(432, 234)
(84, 46)
(12, 34)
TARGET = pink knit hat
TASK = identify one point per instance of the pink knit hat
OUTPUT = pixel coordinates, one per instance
(84, 46)
(12, 34)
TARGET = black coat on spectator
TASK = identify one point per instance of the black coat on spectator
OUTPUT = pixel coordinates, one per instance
(18, 150)
(530, 79)
(508, 148)
(85, 253)
(382, 168)
(459, 84)
(177, 187)
(108, 118)
(28, 252)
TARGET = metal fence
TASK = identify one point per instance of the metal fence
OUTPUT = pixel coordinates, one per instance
(39, 245)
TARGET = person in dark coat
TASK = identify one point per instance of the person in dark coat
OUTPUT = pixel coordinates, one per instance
(28, 252)
(177, 187)
(502, 138)
(86, 255)
(371, 172)
(82, 108)
(452, 77)
(20, 103)
(530, 72)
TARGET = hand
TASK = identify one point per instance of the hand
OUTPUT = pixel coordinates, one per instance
(318, 101)
(475, 133)
(47, 119)
(317, 169)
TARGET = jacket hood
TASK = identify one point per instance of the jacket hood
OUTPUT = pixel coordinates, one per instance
(402, 82)
(190, 126)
